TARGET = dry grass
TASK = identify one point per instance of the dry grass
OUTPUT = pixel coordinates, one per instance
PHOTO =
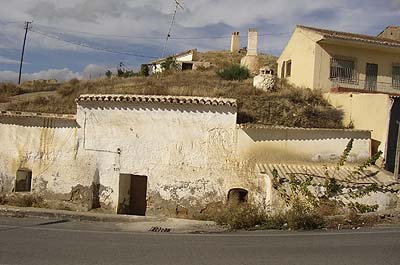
(8, 90)
(288, 106)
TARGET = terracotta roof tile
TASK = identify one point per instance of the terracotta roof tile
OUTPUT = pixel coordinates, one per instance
(276, 127)
(331, 34)
(158, 99)
(36, 115)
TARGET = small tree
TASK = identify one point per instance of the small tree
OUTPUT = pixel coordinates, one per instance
(293, 190)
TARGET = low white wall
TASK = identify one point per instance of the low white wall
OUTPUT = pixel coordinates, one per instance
(291, 145)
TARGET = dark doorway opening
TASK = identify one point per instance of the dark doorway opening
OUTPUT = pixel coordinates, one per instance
(392, 138)
(237, 196)
(371, 76)
(187, 66)
(132, 194)
(23, 180)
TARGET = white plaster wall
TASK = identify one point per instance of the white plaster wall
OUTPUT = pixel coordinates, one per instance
(187, 152)
(48, 147)
(273, 145)
(192, 154)
(185, 58)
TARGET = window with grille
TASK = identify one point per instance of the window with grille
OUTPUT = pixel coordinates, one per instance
(343, 70)
(396, 76)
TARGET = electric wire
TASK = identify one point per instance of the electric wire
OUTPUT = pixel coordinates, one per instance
(63, 31)
(89, 46)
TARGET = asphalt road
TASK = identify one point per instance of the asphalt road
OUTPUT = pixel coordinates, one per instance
(34, 241)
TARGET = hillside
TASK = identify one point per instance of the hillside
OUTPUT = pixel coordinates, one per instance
(222, 59)
(288, 106)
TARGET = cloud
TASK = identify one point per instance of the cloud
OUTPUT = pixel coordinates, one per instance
(141, 25)
(4, 60)
(93, 71)
(58, 74)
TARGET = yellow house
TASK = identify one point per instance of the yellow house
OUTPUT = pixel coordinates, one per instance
(325, 59)
(360, 75)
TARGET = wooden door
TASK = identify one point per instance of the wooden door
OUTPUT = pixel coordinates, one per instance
(138, 194)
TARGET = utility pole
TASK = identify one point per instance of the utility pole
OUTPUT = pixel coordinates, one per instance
(27, 27)
(178, 4)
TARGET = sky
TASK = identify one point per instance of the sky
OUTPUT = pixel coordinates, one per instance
(134, 31)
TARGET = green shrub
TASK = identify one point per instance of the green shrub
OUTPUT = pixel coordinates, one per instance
(234, 72)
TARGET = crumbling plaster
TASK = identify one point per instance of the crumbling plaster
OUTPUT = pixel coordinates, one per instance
(192, 154)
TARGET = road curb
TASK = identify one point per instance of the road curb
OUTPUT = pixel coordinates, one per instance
(21, 212)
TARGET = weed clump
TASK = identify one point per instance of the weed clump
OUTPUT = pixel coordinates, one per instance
(248, 216)
(22, 200)
(242, 216)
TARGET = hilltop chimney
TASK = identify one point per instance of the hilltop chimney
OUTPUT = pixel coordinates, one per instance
(252, 42)
(235, 42)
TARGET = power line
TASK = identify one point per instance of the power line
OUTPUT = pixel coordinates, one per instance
(89, 46)
(59, 30)
(10, 22)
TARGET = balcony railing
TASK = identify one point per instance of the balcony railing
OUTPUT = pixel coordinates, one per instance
(384, 87)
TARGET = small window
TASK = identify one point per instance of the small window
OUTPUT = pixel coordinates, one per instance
(396, 76)
(283, 69)
(289, 68)
(343, 70)
(23, 180)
